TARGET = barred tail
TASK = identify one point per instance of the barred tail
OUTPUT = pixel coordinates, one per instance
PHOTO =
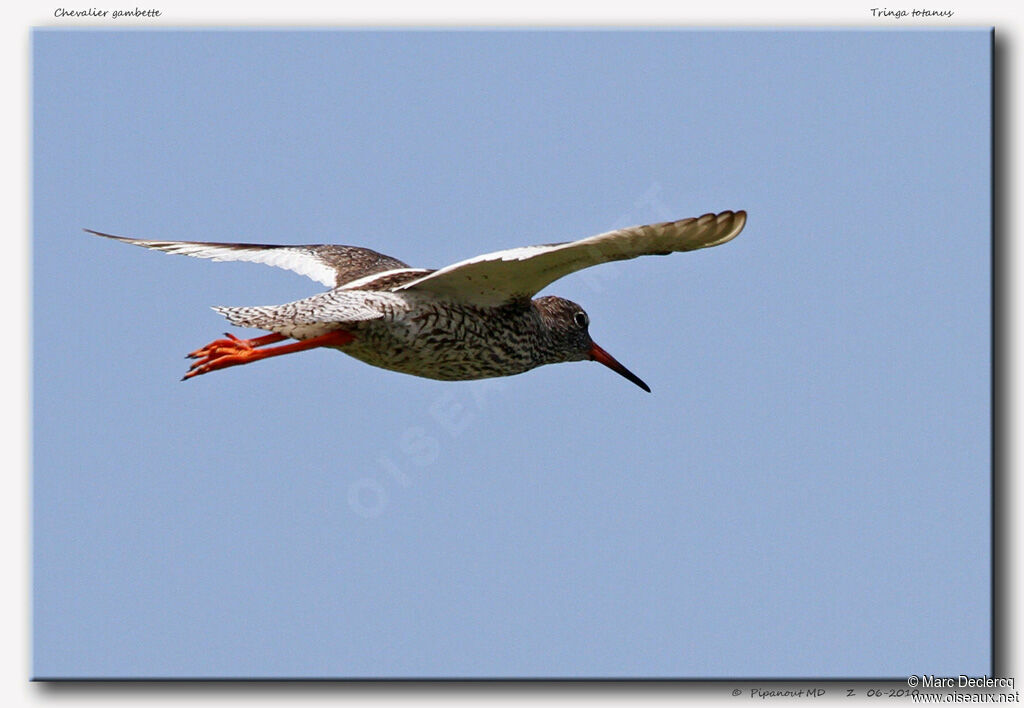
(274, 318)
(260, 317)
(311, 316)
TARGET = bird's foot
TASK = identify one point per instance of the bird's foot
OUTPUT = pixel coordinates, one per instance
(233, 345)
(222, 353)
(233, 351)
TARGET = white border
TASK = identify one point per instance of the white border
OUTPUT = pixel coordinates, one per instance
(17, 19)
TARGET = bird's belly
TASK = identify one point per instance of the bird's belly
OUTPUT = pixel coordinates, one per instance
(466, 345)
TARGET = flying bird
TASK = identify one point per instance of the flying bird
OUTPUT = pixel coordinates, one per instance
(471, 320)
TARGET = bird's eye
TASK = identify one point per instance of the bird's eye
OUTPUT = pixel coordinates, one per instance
(581, 319)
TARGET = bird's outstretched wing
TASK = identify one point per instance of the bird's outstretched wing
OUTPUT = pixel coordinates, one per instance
(330, 265)
(496, 278)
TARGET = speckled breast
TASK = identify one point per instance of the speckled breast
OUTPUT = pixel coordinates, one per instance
(452, 342)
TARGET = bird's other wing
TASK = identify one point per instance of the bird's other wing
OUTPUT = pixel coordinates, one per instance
(496, 278)
(330, 265)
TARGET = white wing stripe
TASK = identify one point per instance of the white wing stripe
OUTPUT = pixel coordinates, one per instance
(359, 282)
(298, 260)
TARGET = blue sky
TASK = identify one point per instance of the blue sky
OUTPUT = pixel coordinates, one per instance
(804, 494)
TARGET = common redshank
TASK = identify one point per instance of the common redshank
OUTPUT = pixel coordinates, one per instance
(471, 320)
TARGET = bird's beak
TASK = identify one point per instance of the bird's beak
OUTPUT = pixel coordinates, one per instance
(599, 354)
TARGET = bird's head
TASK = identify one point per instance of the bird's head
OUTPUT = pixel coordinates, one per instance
(568, 330)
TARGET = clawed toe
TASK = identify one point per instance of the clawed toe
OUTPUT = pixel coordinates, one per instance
(218, 354)
(232, 351)
(232, 343)
(215, 361)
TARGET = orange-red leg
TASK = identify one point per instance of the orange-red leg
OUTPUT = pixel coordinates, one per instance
(233, 351)
(232, 344)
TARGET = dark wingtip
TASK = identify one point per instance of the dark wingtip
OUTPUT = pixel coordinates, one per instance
(100, 233)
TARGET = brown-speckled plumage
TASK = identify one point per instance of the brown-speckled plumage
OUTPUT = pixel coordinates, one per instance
(455, 342)
(471, 320)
